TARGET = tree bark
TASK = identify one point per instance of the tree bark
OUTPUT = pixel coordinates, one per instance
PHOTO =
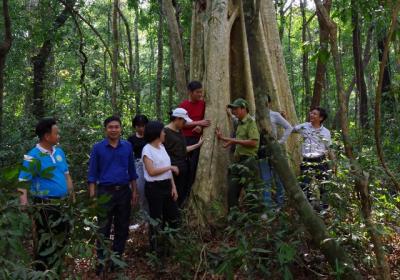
(160, 58)
(197, 40)
(114, 65)
(320, 74)
(358, 65)
(5, 47)
(176, 47)
(39, 61)
(360, 177)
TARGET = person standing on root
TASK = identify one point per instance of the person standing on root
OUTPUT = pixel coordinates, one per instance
(175, 144)
(247, 142)
(315, 150)
(160, 187)
(266, 170)
(196, 107)
(112, 173)
(48, 189)
(138, 142)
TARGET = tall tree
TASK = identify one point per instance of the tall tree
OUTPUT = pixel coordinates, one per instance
(160, 59)
(358, 65)
(360, 176)
(5, 47)
(115, 55)
(323, 55)
(176, 47)
(305, 63)
(41, 58)
(137, 63)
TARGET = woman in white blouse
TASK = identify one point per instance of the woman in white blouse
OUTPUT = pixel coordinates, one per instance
(160, 189)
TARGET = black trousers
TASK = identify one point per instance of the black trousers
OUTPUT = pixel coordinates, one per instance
(314, 169)
(117, 212)
(50, 221)
(182, 183)
(162, 208)
(193, 158)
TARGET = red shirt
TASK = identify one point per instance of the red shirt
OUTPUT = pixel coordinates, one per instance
(195, 111)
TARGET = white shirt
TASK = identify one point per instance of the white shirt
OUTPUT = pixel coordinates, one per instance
(160, 159)
(278, 120)
(316, 140)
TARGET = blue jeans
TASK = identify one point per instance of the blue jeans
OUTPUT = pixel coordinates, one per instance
(269, 176)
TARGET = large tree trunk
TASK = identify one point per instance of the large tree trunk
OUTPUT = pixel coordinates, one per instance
(115, 55)
(160, 58)
(39, 61)
(262, 73)
(176, 47)
(320, 74)
(360, 176)
(358, 65)
(5, 47)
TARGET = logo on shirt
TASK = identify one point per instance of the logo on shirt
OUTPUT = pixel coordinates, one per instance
(59, 158)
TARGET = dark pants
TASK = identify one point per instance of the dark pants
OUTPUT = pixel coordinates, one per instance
(50, 221)
(162, 208)
(182, 183)
(117, 211)
(245, 169)
(193, 158)
(314, 169)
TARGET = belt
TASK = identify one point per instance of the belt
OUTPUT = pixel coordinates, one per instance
(315, 159)
(48, 200)
(243, 158)
(112, 188)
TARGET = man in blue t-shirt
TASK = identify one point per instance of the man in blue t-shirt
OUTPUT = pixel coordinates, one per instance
(46, 170)
(112, 172)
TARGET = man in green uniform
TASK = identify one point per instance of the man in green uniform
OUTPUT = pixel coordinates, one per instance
(246, 146)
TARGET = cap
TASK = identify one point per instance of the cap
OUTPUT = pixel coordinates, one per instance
(239, 102)
(181, 113)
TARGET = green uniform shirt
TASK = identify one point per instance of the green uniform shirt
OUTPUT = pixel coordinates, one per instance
(247, 130)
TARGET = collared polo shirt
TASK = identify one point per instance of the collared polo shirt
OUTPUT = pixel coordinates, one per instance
(247, 130)
(46, 171)
(112, 166)
(316, 140)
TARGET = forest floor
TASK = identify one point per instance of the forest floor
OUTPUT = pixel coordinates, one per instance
(140, 265)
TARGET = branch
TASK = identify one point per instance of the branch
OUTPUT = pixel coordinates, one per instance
(378, 99)
(72, 10)
(233, 17)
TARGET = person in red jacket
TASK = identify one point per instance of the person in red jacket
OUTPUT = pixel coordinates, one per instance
(195, 106)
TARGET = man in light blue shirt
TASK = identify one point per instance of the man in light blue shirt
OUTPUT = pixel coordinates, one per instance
(46, 170)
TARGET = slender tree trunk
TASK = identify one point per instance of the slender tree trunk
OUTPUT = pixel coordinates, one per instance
(305, 56)
(115, 53)
(39, 61)
(358, 65)
(171, 86)
(137, 87)
(360, 176)
(5, 47)
(320, 75)
(176, 47)
(197, 40)
(160, 58)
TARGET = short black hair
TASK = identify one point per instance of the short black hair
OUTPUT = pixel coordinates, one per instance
(140, 120)
(269, 98)
(152, 131)
(44, 126)
(193, 85)
(112, 119)
(322, 112)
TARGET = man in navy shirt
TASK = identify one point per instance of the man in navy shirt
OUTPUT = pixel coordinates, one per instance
(46, 170)
(112, 172)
